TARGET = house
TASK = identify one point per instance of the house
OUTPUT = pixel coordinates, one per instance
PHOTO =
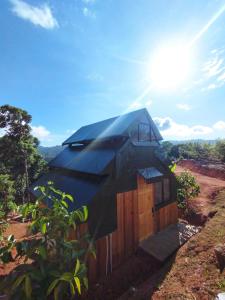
(115, 168)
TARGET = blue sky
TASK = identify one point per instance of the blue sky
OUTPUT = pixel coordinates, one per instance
(74, 62)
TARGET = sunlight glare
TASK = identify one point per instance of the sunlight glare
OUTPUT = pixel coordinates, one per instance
(169, 67)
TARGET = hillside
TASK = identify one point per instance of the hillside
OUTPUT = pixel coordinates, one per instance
(49, 153)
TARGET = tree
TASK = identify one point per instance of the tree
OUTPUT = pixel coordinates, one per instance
(220, 149)
(7, 193)
(187, 189)
(19, 156)
(58, 263)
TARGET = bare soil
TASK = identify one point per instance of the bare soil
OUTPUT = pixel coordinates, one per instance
(195, 273)
(209, 187)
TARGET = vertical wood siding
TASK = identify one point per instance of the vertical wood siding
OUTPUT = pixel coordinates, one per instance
(135, 222)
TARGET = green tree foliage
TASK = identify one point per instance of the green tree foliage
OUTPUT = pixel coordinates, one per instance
(7, 193)
(19, 156)
(187, 189)
(195, 150)
(58, 269)
(220, 149)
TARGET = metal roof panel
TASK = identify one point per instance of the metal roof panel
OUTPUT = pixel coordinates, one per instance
(150, 173)
(90, 159)
(82, 190)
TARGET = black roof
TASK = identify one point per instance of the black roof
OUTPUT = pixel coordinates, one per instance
(114, 127)
(82, 190)
(90, 159)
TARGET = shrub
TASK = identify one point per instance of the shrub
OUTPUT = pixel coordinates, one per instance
(187, 189)
(58, 264)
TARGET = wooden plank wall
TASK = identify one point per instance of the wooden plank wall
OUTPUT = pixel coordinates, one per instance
(165, 216)
(125, 238)
(145, 205)
(115, 248)
(135, 222)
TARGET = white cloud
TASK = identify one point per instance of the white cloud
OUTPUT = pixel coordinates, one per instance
(214, 70)
(173, 130)
(40, 132)
(183, 106)
(88, 13)
(38, 15)
(220, 125)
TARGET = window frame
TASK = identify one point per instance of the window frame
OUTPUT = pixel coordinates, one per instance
(164, 201)
(139, 132)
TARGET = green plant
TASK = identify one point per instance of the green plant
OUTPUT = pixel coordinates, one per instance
(187, 189)
(3, 224)
(58, 264)
(7, 193)
(173, 167)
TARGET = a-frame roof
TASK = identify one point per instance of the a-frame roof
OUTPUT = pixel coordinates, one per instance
(114, 127)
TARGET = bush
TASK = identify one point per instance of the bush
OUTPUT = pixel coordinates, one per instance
(58, 264)
(187, 189)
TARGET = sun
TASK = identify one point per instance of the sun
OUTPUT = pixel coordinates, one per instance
(169, 66)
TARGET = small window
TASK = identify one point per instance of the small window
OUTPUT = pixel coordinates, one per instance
(162, 191)
(158, 192)
(143, 132)
(166, 189)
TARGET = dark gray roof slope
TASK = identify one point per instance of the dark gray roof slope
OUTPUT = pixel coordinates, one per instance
(90, 159)
(82, 190)
(113, 127)
(150, 174)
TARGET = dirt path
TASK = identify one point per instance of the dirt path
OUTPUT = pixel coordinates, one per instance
(209, 187)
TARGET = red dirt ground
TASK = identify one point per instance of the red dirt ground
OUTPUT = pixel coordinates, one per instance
(209, 187)
(19, 230)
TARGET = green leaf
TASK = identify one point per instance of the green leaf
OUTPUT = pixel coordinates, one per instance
(67, 276)
(43, 228)
(85, 210)
(52, 286)
(11, 238)
(64, 203)
(69, 197)
(72, 289)
(28, 287)
(56, 292)
(77, 267)
(77, 281)
(42, 252)
(18, 281)
(34, 213)
(85, 281)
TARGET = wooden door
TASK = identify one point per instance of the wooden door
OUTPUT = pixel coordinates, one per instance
(145, 209)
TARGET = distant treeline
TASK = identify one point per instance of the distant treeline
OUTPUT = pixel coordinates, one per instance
(195, 150)
(48, 153)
